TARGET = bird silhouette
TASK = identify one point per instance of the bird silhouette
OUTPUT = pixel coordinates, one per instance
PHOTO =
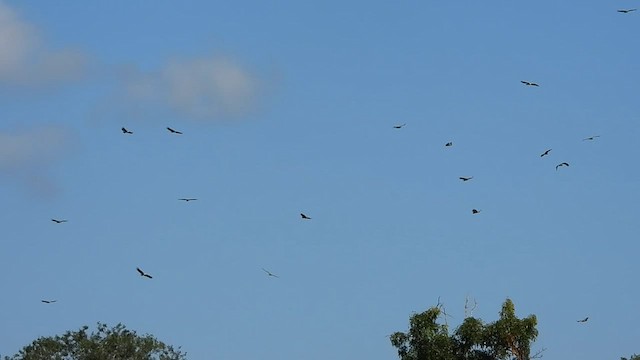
(48, 301)
(125, 131)
(545, 153)
(399, 126)
(174, 131)
(583, 320)
(466, 178)
(591, 138)
(270, 273)
(187, 199)
(529, 83)
(449, 144)
(58, 221)
(305, 217)
(475, 211)
(142, 273)
(562, 164)
(625, 11)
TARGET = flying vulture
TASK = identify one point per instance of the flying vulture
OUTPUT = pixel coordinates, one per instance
(125, 131)
(270, 273)
(142, 273)
(466, 178)
(529, 83)
(58, 221)
(174, 131)
(562, 164)
(545, 153)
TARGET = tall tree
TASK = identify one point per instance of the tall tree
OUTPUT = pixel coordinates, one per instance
(103, 344)
(507, 338)
(632, 357)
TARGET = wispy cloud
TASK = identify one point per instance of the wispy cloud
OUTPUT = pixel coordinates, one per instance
(25, 60)
(26, 156)
(207, 88)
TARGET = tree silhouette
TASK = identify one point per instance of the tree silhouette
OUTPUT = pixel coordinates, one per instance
(507, 338)
(105, 343)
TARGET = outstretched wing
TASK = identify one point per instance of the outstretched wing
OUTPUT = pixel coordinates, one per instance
(140, 271)
(269, 273)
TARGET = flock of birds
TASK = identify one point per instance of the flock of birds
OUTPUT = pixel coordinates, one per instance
(306, 217)
(140, 271)
(545, 153)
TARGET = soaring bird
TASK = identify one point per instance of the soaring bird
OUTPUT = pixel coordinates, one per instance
(475, 211)
(624, 11)
(48, 301)
(125, 131)
(449, 144)
(529, 83)
(58, 221)
(187, 199)
(174, 131)
(270, 273)
(305, 217)
(142, 273)
(583, 320)
(591, 137)
(466, 178)
(561, 164)
(399, 126)
(545, 153)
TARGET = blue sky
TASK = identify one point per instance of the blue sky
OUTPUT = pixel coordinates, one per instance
(289, 107)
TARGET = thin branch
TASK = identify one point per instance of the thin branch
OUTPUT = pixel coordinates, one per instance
(440, 305)
(468, 311)
(538, 354)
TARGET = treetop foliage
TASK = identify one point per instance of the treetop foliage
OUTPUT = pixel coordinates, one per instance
(633, 357)
(105, 343)
(508, 337)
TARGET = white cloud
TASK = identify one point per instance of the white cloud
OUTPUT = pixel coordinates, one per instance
(25, 60)
(16, 40)
(204, 88)
(26, 156)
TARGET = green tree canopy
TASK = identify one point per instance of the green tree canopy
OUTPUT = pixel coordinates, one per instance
(103, 344)
(632, 357)
(506, 338)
